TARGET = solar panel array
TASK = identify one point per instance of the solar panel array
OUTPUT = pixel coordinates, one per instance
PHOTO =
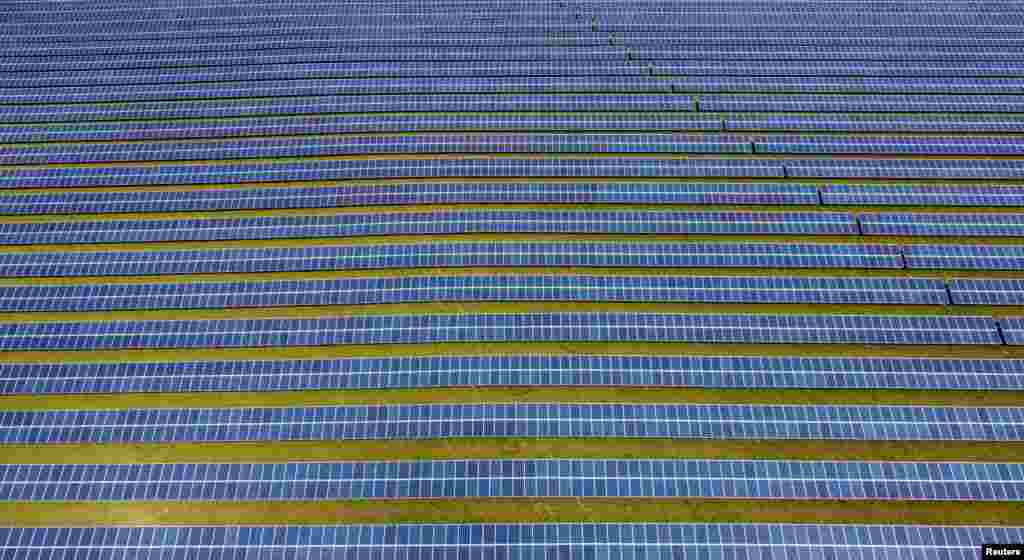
(551, 420)
(519, 370)
(793, 226)
(423, 541)
(561, 478)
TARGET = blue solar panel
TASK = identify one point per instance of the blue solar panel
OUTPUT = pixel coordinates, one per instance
(535, 327)
(986, 291)
(294, 96)
(423, 223)
(268, 148)
(932, 145)
(426, 289)
(409, 194)
(324, 71)
(514, 420)
(919, 195)
(965, 257)
(892, 68)
(1012, 329)
(335, 104)
(527, 370)
(980, 225)
(343, 124)
(520, 540)
(448, 255)
(865, 103)
(529, 478)
(980, 168)
(320, 170)
(854, 122)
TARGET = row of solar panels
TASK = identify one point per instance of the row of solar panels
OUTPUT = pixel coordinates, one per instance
(513, 420)
(515, 327)
(532, 478)
(515, 221)
(523, 370)
(93, 202)
(609, 65)
(523, 122)
(575, 167)
(591, 53)
(430, 289)
(737, 39)
(503, 542)
(432, 102)
(781, 26)
(454, 16)
(502, 254)
(537, 143)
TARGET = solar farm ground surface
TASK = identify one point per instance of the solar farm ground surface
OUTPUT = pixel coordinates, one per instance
(213, 211)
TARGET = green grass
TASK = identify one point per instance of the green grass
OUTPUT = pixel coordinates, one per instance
(511, 511)
(514, 394)
(514, 448)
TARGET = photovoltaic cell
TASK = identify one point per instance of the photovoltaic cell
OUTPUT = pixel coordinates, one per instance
(449, 542)
(932, 145)
(425, 289)
(524, 478)
(525, 370)
(548, 420)
(449, 255)
(854, 122)
(409, 194)
(835, 168)
(422, 223)
(525, 327)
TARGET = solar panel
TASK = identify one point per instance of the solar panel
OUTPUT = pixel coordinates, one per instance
(919, 195)
(965, 257)
(891, 68)
(450, 542)
(524, 327)
(865, 103)
(506, 420)
(409, 194)
(321, 170)
(986, 291)
(344, 124)
(422, 223)
(335, 104)
(1012, 330)
(933, 145)
(267, 148)
(981, 168)
(297, 96)
(321, 71)
(524, 478)
(523, 370)
(426, 289)
(982, 225)
(854, 122)
(448, 255)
